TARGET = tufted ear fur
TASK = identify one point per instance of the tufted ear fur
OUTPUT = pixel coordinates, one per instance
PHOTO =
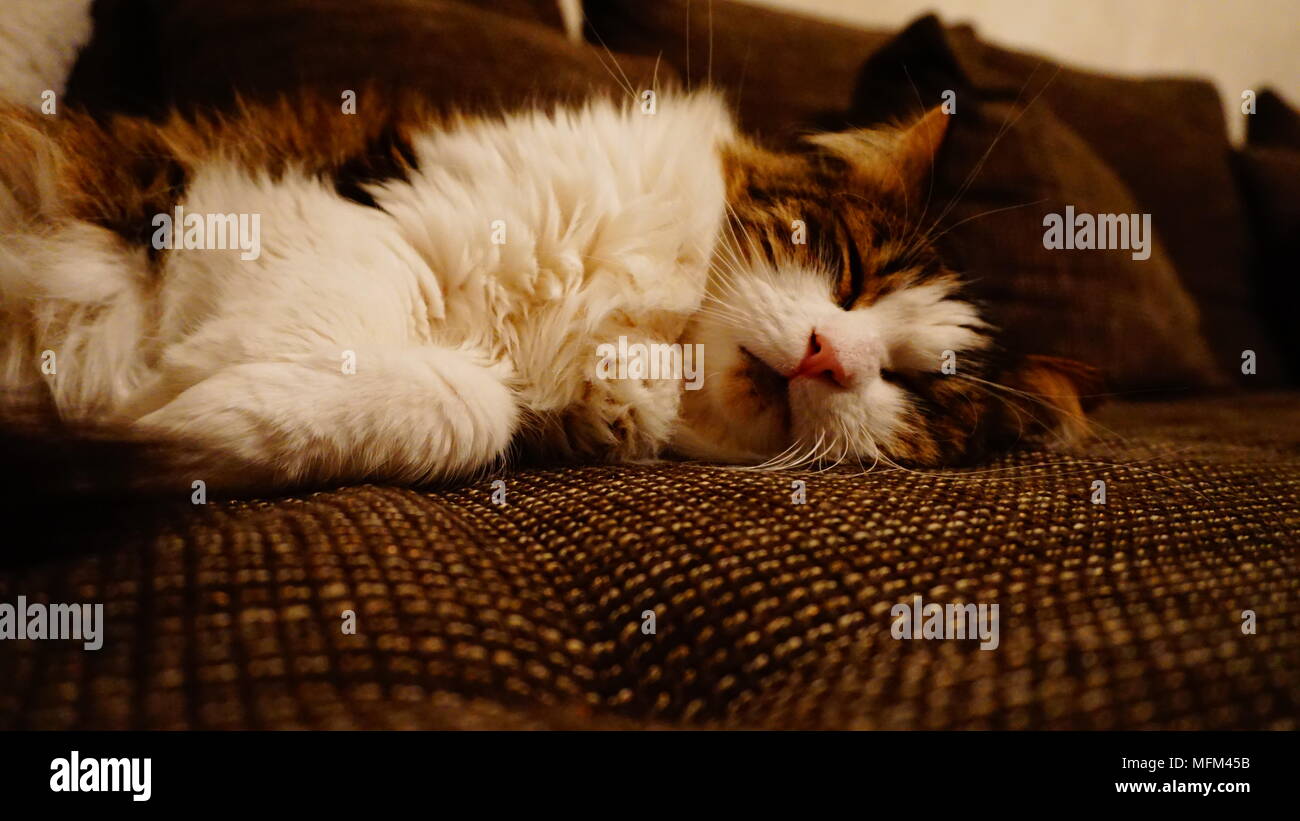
(1052, 396)
(892, 160)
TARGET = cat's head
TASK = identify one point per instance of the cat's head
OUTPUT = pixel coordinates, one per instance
(833, 329)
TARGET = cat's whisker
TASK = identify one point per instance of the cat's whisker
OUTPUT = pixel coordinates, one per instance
(771, 463)
(709, 72)
(802, 456)
(1007, 124)
(1092, 423)
(929, 194)
(727, 254)
(815, 454)
(726, 278)
(831, 449)
(1085, 466)
(792, 456)
(716, 303)
(621, 78)
(754, 247)
(843, 450)
(823, 461)
(923, 240)
(918, 238)
(721, 317)
(715, 299)
(1040, 399)
(724, 252)
(732, 243)
(654, 77)
(931, 239)
(727, 318)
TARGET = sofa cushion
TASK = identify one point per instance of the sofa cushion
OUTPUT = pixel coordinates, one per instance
(1269, 169)
(1165, 139)
(786, 72)
(1275, 122)
(768, 613)
(180, 54)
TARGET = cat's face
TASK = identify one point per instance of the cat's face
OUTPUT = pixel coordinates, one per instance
(833, 332)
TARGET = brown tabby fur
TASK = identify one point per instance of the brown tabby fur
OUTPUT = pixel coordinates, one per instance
(866, 224)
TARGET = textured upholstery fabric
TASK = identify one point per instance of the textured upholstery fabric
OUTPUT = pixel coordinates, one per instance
(768, 613)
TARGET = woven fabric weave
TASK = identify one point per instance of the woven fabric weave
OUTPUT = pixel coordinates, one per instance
(768, 613)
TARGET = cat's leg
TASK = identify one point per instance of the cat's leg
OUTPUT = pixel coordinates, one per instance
(388, 414)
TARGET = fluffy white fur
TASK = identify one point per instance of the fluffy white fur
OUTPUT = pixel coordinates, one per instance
(460, 345)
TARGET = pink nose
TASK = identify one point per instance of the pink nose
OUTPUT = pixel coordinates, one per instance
(821, 362)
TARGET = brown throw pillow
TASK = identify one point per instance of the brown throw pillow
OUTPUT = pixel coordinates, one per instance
(1131, 317)
(149, 55)
(1269, 169)
(1167, 140)
(1274, 123)
(786, 72)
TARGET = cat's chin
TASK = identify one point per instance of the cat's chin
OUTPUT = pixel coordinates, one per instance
(740, 416)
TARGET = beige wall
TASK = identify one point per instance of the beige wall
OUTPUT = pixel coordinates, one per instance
(1239, 44)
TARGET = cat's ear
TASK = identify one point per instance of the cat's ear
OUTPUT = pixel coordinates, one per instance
(897, 160)
(1052, 395)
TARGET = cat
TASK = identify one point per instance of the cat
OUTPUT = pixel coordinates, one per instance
(429, 292)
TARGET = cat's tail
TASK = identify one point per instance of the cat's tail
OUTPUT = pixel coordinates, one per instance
(47, 457)
(69, 485)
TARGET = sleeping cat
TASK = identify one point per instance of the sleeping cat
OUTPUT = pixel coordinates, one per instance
(428, 294)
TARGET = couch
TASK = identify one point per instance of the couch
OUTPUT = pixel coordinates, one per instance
(1148, 580)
